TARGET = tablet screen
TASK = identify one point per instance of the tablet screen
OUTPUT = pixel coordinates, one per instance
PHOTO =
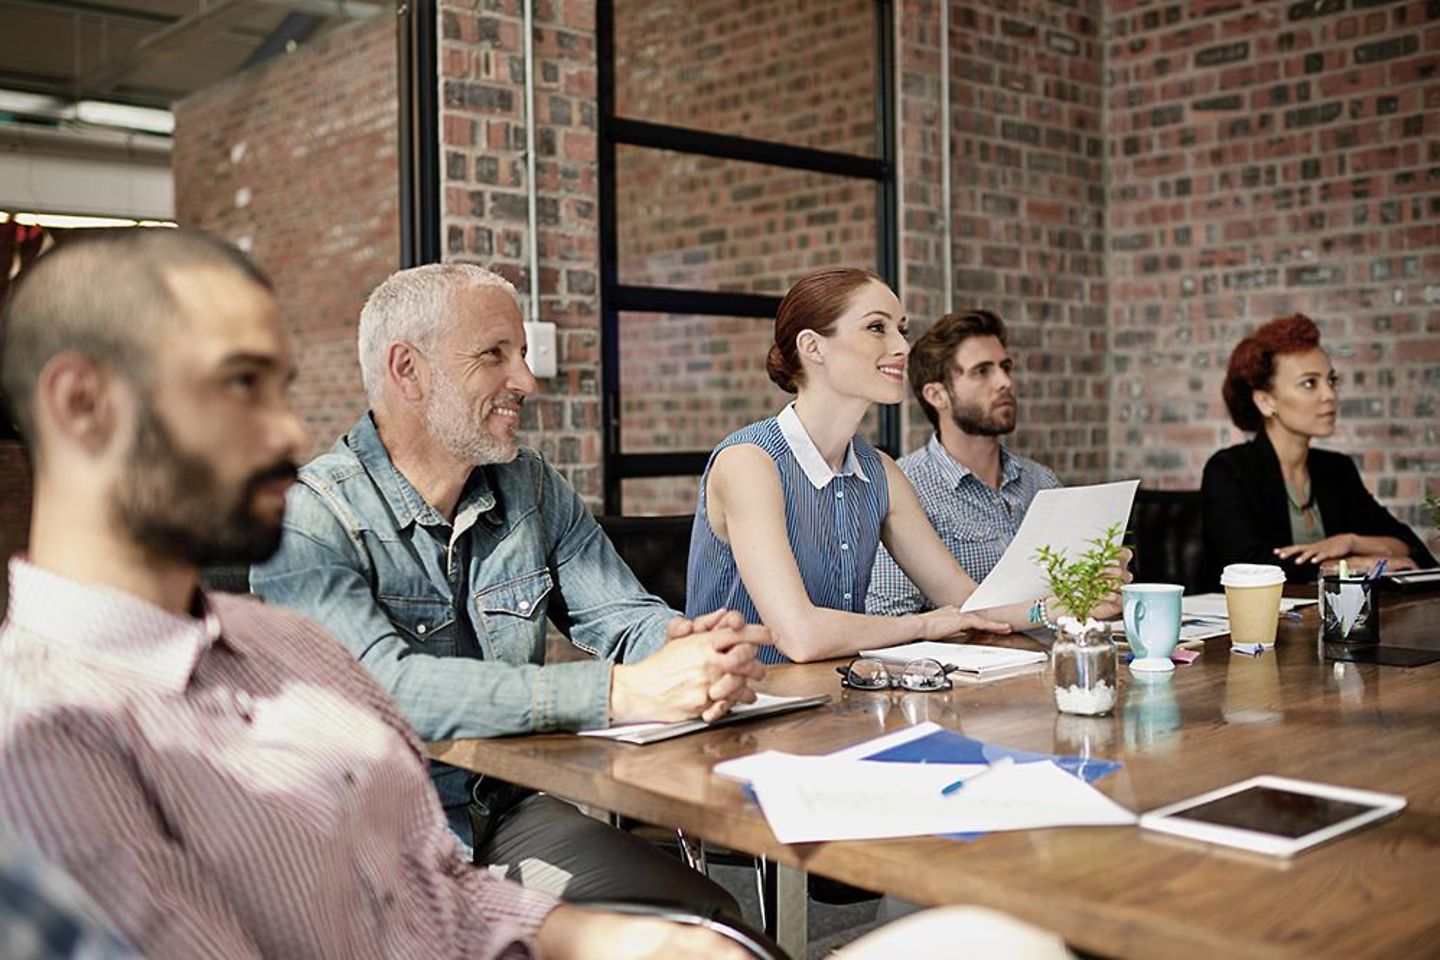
(1282, 813)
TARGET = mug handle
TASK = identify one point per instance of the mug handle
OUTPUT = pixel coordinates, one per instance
(1134, 615)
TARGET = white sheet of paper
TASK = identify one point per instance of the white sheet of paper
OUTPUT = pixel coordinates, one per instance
(1211, 606)
(1063, 519)
(967, 656)
(814, 799)
(625, 729)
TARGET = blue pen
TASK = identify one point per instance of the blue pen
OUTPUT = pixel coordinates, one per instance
(1376, 573)
(953, 788)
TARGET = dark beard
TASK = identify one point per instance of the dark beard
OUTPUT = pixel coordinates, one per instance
(976, 422)
(171, 503)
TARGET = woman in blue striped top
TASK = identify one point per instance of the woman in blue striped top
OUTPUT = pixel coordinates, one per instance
(792, 508)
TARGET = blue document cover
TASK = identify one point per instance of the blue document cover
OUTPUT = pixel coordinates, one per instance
(947, 746)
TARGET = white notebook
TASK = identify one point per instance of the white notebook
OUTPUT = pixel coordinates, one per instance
(973, 661)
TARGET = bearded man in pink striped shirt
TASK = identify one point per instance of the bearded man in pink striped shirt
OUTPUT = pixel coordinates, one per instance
(222, 777)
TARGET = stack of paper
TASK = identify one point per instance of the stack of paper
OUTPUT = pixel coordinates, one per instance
(1211, 606)
(846, 797)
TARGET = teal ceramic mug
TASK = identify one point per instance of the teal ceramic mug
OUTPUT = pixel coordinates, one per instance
(1152, 623)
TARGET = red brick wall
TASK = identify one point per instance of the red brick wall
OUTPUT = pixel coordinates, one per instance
(296, 160)
(800, 72)
(483, 141)
(1028, 204)
(1265, 159)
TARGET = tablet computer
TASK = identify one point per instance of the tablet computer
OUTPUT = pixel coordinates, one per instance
(1273, 815)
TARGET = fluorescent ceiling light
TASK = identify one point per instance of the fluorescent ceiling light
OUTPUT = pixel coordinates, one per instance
(17, 101)
(124, 115)
(69, 222)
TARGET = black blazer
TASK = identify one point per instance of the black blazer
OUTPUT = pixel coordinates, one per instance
(1247, 516)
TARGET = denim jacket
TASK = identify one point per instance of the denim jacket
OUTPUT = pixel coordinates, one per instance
(451, 617)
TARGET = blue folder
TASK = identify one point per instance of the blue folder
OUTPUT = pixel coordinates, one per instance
(947, 746)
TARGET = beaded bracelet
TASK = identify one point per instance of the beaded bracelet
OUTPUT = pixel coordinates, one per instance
(1039, 614)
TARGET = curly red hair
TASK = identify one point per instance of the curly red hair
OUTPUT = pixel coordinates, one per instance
(1252, 365)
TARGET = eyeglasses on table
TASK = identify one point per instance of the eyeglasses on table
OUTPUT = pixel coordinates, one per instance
(923, 675)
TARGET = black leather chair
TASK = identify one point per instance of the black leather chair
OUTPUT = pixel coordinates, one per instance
(656, 549)
(1167, 534)
(228, 578)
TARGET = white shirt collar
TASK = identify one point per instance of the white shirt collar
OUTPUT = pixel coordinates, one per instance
(108, 628)
(817, 471)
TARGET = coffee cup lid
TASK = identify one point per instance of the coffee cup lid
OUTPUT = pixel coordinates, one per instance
(1251, 575)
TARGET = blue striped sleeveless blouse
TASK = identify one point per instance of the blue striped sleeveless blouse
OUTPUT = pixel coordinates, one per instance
(834, 532)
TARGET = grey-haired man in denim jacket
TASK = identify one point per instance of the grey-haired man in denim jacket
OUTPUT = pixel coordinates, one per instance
(436, 548)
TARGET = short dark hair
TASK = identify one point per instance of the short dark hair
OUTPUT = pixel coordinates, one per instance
(932, 357)
(1252, 365)
(815, 302)
(103, 295)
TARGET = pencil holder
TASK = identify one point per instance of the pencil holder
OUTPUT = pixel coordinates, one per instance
(1349, 610)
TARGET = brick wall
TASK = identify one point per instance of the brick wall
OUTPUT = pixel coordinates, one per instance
(1222, 163)
(1028, 205)
(295, 161)
(800, 73)
(483, 134)
(1265, 159)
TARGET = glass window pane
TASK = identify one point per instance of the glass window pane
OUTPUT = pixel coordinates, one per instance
(659, 496)
(800, 72)
(703, 223)
(688, 382)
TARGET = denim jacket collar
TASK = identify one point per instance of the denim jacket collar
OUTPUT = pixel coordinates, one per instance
(405, 502)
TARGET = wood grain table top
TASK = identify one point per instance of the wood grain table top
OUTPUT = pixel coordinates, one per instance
(1112, 891)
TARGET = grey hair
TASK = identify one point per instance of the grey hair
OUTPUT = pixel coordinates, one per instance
(412, 305)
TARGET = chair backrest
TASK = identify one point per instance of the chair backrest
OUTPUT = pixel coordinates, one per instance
(656, 549)
(227, 578)
(1169, 539)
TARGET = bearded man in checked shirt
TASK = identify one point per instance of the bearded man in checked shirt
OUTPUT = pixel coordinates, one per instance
(221, 777)
(972, 487)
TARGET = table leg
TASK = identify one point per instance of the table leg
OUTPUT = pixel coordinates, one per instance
(792, 901)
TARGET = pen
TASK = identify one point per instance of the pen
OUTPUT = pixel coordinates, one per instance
(952, 788)
(1376, 573)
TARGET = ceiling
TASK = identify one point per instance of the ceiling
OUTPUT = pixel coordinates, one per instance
(153, 52)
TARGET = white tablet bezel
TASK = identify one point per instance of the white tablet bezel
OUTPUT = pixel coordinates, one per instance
(1382, 805)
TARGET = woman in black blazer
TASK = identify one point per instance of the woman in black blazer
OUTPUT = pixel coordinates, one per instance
(1276, 499)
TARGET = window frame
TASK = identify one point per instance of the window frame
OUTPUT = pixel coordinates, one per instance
(617, 297)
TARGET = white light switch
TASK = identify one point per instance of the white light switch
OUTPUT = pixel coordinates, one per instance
(540, 340)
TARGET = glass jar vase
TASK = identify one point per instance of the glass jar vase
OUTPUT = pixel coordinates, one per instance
(1084, 666)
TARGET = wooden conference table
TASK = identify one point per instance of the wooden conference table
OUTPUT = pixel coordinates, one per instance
(1116, 892)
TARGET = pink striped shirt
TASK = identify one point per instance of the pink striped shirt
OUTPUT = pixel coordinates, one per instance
(232, 786)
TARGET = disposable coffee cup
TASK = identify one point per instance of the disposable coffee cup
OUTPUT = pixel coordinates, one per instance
(1252, 599)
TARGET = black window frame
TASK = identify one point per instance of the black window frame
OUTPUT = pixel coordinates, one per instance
(617, 297)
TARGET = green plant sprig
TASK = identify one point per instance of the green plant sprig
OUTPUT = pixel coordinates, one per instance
(1081, 584)
(1432, 504)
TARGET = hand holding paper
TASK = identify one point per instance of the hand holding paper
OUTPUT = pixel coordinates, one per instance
(1065, 519)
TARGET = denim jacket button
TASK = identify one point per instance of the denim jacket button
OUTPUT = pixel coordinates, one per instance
(523, 606)
(420, 629)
